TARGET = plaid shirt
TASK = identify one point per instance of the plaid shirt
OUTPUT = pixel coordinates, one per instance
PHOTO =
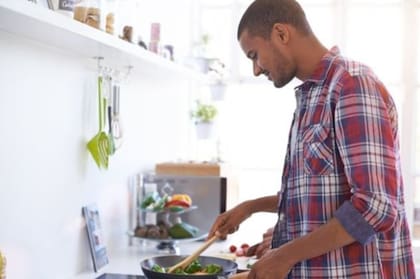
(346, 165)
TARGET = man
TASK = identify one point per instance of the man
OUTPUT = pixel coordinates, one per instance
(341, 205)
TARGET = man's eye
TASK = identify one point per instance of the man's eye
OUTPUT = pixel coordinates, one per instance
(252, 55)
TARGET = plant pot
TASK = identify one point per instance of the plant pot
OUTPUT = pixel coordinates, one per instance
(203, 64)
(218, 91)
(204, 130)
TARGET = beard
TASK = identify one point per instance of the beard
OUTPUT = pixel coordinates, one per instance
(284, 80)
(285, 71)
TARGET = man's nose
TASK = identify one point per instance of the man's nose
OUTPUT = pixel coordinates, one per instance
(257, 69)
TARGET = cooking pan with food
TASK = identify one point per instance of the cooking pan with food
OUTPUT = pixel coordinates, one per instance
(228, 267)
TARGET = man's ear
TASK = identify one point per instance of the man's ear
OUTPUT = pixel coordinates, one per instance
(280, 32)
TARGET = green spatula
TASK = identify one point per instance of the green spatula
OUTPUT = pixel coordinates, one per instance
(98, 145)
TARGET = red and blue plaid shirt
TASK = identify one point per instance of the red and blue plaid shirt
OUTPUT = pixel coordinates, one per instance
(346, 165)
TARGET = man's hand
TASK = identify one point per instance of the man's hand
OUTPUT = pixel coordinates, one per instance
(261, 248)
(274, 264)
(277, 262)
(229, 221)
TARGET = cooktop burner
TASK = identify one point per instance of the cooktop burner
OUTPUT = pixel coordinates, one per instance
(120, 276)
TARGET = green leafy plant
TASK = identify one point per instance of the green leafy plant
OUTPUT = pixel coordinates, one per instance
(200, 47)
(203, 112)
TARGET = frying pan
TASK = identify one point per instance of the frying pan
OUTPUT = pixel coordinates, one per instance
(229, 267)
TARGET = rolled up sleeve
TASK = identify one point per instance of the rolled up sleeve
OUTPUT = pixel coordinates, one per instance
(366, 141)
(354, 223)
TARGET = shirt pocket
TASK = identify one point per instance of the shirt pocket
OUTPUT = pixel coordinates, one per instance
(317, 150)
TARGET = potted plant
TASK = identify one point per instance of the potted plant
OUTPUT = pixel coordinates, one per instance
(203, 116)
(202, 55)
(201, 47)
(217, 74)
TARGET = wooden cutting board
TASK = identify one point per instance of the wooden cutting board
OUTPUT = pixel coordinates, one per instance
(193, 169)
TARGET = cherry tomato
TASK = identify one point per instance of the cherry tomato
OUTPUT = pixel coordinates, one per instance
(245, 246)
(232, 248)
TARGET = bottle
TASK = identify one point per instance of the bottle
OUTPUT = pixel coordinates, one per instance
(2, 266)
(149, 189)
(154, 43)
(139, 178)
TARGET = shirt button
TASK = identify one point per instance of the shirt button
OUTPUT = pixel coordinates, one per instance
(281, 216)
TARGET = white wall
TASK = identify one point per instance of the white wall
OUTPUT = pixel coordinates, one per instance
(47, 114)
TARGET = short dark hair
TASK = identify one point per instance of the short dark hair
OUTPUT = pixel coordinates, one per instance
(261, 15)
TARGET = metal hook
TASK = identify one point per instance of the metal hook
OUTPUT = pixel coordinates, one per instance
(129, 68)
(126, 74)
(99, 59)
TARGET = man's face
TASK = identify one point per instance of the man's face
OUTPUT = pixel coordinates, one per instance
(268, 59)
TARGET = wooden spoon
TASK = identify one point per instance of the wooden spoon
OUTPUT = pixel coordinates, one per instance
(185, 262)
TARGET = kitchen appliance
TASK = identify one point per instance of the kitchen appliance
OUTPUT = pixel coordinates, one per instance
(208, 194)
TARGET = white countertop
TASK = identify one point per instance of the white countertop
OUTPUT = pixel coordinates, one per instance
(127, 259)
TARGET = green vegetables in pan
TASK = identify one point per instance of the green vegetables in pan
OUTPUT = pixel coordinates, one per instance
(213, 269)
(195, 268)
(158, 268)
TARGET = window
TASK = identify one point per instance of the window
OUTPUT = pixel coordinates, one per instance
(416, 134)
(379, 43)
(418, 44)
(416, 170)
(375, 2)
(321, 19)
(219, 31)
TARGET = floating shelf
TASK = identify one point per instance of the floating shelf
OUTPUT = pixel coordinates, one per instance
(53, 29)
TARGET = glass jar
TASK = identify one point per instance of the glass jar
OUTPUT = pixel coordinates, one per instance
(108, 8)
(93, 14)
(80, 10)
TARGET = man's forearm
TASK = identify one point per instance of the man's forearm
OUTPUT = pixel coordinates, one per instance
(264, 204)
(326, 238)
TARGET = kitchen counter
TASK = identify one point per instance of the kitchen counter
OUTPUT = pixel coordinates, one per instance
(127, 259)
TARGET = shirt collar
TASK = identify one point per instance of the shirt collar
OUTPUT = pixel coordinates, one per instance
(321, 71)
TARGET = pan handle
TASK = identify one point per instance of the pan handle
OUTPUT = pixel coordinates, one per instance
(242, 275)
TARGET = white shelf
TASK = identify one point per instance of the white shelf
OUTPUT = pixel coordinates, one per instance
(48, 27)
